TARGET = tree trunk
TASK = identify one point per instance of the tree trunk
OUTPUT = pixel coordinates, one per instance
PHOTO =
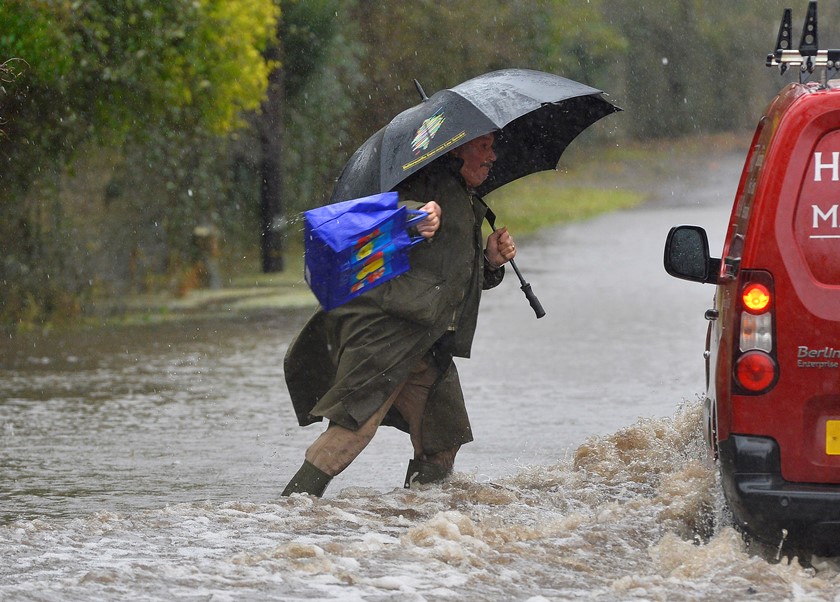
(272, 221)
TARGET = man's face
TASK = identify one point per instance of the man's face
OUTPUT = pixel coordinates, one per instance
(478, 157)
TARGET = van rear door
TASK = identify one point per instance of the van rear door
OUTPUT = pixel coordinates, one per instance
(802, 412)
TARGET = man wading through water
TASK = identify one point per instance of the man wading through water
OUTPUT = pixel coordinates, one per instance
(385, 357)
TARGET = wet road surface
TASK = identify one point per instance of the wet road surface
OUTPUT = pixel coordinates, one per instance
(146, 463)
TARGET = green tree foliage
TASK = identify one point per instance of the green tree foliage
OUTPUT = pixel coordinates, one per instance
(125, 128)
(126, 74)
(577, 41)
(321, 77)
(107, 69)
(694, 66)
(307, 28)
(437, 43)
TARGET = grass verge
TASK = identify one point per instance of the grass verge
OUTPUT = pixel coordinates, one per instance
(538, 203)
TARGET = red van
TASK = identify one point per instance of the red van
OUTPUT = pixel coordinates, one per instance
(772, 408)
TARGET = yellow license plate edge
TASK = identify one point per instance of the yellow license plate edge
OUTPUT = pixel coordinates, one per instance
(832, 437)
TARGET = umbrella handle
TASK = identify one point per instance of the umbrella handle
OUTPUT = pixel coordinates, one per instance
(526, 288)
(529, 294)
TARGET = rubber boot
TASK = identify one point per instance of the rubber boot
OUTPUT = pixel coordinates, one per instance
(309, 479)
(424, 472)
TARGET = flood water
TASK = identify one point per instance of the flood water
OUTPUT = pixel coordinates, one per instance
(145, 463)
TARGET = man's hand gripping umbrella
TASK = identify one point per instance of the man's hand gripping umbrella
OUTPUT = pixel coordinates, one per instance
(525, 286)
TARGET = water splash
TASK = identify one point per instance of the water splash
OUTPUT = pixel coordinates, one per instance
(632, 515)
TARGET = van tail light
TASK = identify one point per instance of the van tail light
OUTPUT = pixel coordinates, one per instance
(756, 332)
(755, 371)
(756, 368)
(756, 297)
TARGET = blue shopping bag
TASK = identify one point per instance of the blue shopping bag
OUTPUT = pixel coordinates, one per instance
(352, 246)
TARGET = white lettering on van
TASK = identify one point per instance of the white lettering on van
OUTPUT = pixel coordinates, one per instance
(825, 215)
(825, 218)
(834, 166)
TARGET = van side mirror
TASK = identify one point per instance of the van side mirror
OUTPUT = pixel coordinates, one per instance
(687, 255)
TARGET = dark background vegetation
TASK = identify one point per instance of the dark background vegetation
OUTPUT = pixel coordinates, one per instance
(128, 124)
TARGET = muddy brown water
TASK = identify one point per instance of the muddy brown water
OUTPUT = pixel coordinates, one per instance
(146, 462)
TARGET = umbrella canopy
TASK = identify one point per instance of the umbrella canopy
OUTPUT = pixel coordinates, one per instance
(536, 116)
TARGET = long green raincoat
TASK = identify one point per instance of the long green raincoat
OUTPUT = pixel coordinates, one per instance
(347, 362)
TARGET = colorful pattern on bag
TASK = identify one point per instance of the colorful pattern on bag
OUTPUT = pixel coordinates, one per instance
(370, 243)
(371, 271)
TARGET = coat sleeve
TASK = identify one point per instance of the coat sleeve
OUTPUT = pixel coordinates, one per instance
(408, 203)
(492, 278)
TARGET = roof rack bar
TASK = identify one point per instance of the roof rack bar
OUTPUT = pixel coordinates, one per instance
(809, 56)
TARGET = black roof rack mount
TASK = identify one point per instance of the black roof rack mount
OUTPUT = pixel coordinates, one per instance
(808, 57)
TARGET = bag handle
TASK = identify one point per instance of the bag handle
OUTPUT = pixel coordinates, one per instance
(419, 216)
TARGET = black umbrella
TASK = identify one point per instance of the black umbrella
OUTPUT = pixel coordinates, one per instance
(535, 116)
